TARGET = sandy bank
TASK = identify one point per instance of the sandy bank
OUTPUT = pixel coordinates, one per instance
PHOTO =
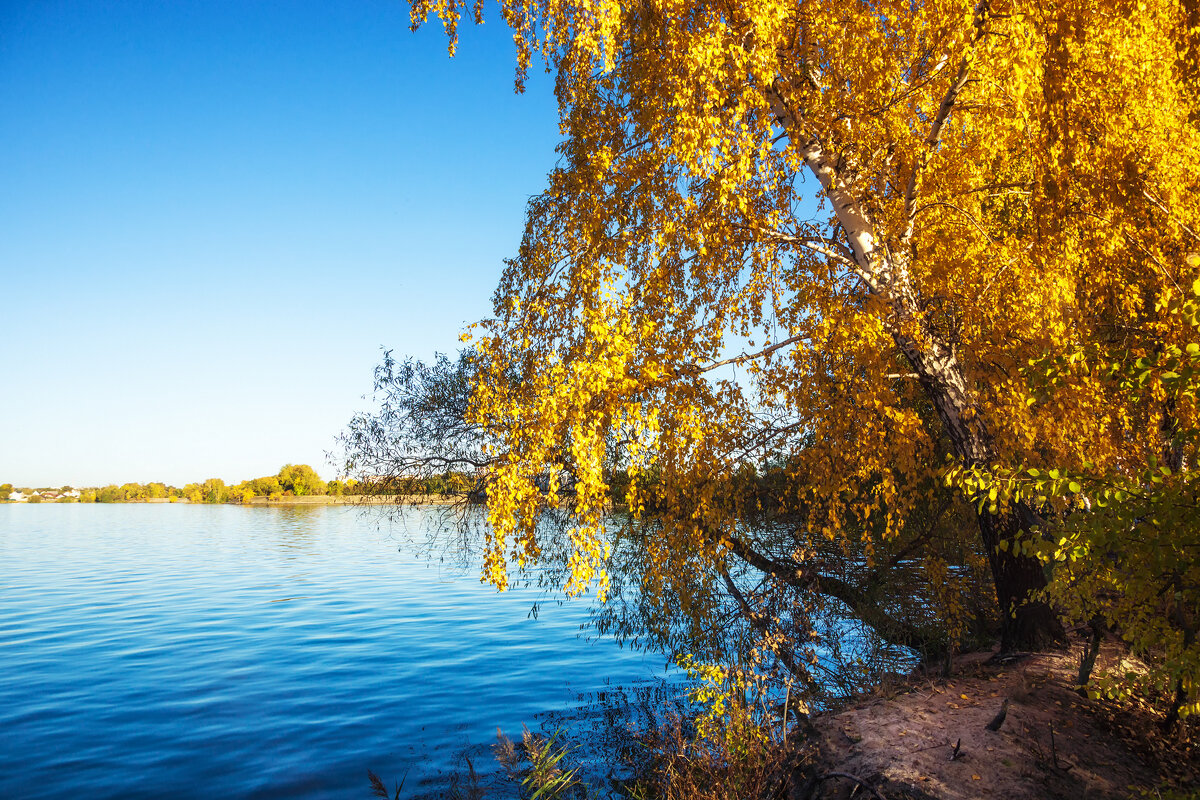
(929, 738)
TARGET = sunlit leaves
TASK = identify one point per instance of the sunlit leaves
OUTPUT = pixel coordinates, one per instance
(1122, 543)
(1055, 213)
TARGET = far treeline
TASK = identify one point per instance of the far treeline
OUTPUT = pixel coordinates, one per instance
(292, 480)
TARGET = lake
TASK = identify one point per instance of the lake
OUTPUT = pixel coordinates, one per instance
(226, 651)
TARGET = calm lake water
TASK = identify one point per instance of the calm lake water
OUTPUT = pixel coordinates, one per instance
(221, 651)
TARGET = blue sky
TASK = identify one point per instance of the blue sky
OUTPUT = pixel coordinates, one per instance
(213, 214)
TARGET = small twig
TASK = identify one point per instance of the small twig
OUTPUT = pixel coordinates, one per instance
(1163, 207)
(783, 723)
(970, 218)
(957, 750)
(1012, 185)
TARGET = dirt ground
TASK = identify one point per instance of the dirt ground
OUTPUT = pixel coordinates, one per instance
(1052, 743)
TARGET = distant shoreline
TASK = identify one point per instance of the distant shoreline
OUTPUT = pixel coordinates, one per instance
(353, 500)
(295, 500)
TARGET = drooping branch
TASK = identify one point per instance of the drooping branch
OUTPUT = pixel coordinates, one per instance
(858, 600)
(756, 620)
(971, 219)
(420, 428)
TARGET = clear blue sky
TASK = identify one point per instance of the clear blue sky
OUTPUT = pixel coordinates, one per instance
(213, 214)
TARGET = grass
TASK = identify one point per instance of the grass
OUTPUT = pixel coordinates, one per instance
(539, 764)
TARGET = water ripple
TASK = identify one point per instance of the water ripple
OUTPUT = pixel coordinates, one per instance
(203, 651)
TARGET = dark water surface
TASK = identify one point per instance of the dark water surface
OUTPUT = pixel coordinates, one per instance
(221, 651)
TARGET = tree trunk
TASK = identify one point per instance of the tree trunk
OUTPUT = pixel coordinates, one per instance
(1024, 624)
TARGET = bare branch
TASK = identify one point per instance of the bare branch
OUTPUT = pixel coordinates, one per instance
(760, 624)
(1163, 207)
(766, 351)
(796, 575)
(966, 214)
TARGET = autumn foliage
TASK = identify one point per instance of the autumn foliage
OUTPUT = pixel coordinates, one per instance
(833, 236)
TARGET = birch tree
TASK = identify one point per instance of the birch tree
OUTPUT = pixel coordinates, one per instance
(831, 233)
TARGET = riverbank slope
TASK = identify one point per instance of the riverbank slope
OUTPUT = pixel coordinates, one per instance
(928, 737)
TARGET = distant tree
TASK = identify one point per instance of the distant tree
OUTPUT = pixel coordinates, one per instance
(156, 490)
(448, 483)
(301, 480)
(5, 491)
(213, 490)
(265, 487)
(110, 494)
(35, 498)
(133, 491)
(87, 496)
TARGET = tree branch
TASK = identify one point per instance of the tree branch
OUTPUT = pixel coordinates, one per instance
(935, 130)
(766, 351)
(760, 625)
(1163, 207)
(970, 218)
(795, 575)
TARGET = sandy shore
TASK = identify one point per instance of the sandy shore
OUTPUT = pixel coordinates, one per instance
(929, 739)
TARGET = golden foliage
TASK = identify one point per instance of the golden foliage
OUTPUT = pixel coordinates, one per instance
(831, 232)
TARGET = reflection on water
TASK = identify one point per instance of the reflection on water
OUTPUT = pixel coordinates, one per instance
(203, 651)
